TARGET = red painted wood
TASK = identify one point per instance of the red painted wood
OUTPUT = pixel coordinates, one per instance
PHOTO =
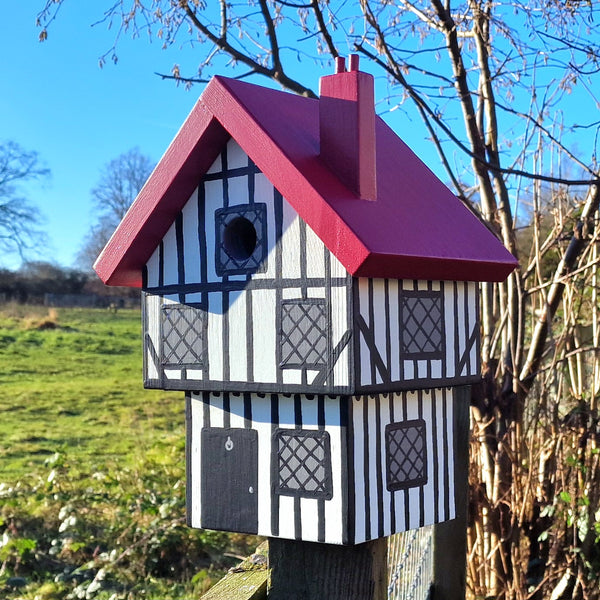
(416, 228)
(347, 128)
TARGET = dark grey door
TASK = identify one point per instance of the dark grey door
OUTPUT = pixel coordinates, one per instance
(229, 479)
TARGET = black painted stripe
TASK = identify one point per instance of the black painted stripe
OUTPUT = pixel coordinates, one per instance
(250, 170)
(303, 273)
(161, 266)
(436, 467)
(225, 334)
(467, 327)
(447, 450)
(225, 177)
(406, 494)
(298, 411)
(278, 215)
(378, 465)
(253, 284)
(388, 328)
(392, 494)
(321, 501)
(297, 518)
(366, 471)
(274, 467)
(226, 410)
(456, 338)
(422, 487)
(247, 410)
(348, 476)
(370, 339)
(205, 409)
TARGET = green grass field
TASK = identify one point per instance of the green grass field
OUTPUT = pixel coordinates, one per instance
(71, 382)
(92, 494)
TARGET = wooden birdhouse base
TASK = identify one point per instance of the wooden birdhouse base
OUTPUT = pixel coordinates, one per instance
(332, 469)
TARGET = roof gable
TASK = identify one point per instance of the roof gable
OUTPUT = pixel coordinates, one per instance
(415, 229)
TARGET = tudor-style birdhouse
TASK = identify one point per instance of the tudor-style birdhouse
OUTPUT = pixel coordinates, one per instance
(312, 286)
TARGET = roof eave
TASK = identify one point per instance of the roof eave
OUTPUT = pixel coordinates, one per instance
(176, 176)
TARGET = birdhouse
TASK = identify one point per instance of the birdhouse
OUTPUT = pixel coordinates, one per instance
(313, 288)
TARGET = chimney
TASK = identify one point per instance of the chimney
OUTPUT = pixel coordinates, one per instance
(347, 127)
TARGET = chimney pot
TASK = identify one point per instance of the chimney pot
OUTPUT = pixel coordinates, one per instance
(353, 62)
(340, 64)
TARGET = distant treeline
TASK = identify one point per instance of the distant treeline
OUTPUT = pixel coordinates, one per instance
(37, 282)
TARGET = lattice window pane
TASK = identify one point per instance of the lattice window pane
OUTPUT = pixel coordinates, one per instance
(304, 334)
(304, 464)
(406, 454)
(423, 325)
(241, 239)
(183, 335)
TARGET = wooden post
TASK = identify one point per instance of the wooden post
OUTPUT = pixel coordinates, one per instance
(309, 571)
(450, 538)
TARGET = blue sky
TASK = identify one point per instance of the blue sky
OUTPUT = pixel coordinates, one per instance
(57, 101)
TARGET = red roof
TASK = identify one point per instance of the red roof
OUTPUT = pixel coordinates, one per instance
(415, 229)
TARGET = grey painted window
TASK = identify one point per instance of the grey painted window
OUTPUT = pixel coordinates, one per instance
(241, 239)
(406, 454)
(183, 335)
(422, 325)
(304, 334)
(303, 465)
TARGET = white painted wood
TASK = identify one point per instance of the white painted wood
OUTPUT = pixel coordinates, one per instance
(238, 190)
(238, 351)
(261, 421)
(153, 331)
(152, 267)
(170, 271)
(365, 355)
(216, 167)
(359, 466)
(264, 335)
(315, 292)
(429, 487)
(172, 373)
(450, 319)
(213, 193)
(194, 457)
(236, 410)
(395, 331)
(291, 376)
(309, 516)
(339, 325)
(333, 508)
(195, 374)
(290, 243)
(215, 337)
(236, 157)
(462, 325)
(315, 255)
(263, 192)
(373, 425)
(473, 310)
(291, 293)
(384, 408)
(191, 241)
(216, 410)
